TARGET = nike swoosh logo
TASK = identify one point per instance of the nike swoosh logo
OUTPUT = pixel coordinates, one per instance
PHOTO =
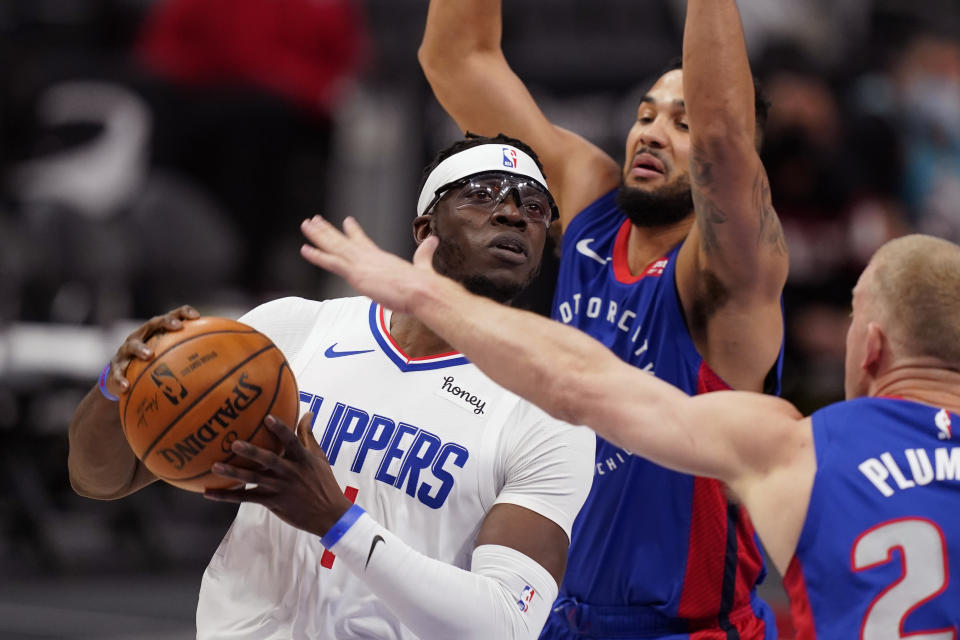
(583, 247)
(373, 545)
(331, 353)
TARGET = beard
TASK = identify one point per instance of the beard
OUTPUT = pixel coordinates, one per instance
(450, 260)
(661, 207)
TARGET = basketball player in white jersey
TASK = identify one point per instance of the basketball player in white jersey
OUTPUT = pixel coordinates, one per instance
(463, 494)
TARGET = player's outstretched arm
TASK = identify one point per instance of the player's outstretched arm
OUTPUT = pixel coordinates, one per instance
(463, 61)
(517, 564)
(758, 444)
(732, 268)
(100, 462)
(562, 370)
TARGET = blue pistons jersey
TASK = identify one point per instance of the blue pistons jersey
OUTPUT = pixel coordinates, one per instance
(883, 526)
(654, 553)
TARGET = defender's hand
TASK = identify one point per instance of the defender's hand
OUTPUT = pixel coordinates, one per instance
(297, 485)
(382, 276)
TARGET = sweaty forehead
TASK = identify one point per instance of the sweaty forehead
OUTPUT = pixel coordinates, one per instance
(667, 91)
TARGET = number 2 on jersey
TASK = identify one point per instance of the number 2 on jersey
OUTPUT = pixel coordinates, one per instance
(924, 563)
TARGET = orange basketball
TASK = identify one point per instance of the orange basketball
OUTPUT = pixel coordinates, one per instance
(208, 384)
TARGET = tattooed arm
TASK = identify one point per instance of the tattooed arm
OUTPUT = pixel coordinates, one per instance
(733, 265)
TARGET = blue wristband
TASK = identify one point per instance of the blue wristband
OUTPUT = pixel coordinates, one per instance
(340, 526)
(102, 385)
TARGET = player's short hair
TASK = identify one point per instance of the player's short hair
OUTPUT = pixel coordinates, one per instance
(761, 102)
(471, 140)
(916, 282)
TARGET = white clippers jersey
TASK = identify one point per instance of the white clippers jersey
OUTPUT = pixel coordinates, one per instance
(427, 445)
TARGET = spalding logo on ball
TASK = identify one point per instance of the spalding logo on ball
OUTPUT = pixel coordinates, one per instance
(208, 384)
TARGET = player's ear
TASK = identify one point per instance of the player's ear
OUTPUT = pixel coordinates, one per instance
(422, 227)
(876, 344)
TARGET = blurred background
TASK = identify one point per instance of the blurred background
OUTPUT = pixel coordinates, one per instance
(161, 152)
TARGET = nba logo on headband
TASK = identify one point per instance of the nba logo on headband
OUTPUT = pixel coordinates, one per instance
(483, 158)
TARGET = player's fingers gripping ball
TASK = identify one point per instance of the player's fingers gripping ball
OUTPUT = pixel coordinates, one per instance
(210, 383)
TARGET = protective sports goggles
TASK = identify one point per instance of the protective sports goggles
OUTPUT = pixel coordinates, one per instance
(486, 191)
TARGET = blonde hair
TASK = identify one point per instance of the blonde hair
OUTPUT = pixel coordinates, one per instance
(916, 280)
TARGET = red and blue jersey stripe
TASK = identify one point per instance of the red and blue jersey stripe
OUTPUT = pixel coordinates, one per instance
(654, 552)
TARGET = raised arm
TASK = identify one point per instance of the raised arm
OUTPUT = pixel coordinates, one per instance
(733, 266)
(462, 59)
(576, 379)
(100, 462)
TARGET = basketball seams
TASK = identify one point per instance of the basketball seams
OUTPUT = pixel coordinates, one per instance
(210, 387)
(148, 365)
(253, 434)
(229, 396)
(263, 343)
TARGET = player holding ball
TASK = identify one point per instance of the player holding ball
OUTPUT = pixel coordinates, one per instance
(203, 386)
(462, 494)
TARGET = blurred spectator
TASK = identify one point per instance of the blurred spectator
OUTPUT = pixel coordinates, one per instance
(834, 211)
(245, 110)
(138, 140)
(301, 50)
(109, 235)
(927, 93)
(176, 172)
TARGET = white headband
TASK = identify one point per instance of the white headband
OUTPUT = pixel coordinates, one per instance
(479, 159)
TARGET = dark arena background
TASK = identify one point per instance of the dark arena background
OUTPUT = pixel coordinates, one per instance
(155, 153)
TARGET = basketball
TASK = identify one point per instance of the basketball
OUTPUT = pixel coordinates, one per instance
(208, 384)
